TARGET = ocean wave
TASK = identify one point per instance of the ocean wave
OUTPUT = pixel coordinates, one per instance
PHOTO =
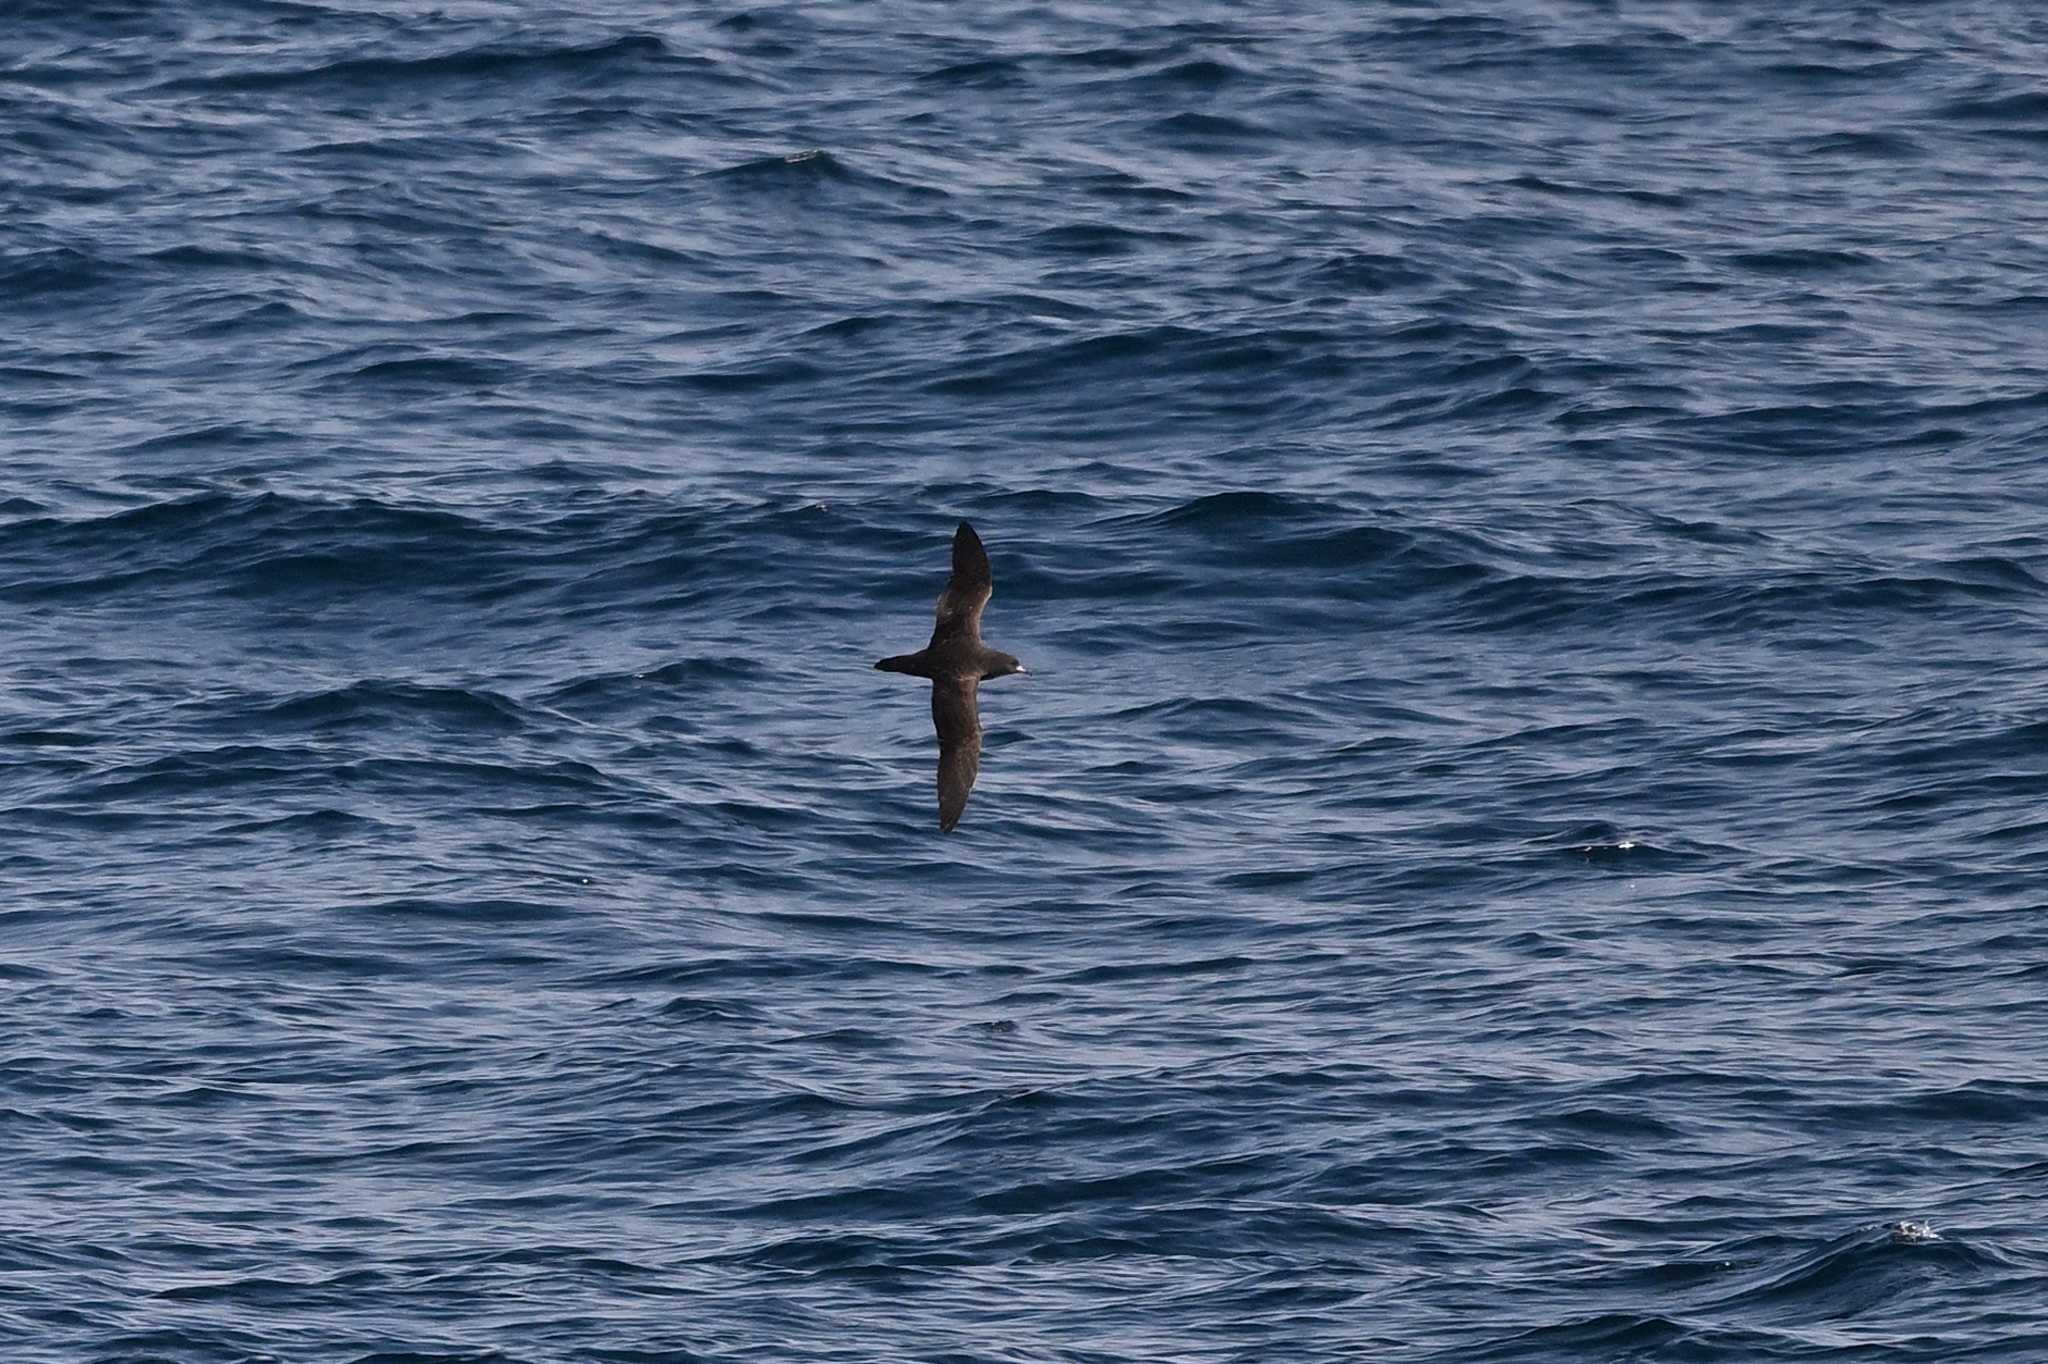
(481, 63)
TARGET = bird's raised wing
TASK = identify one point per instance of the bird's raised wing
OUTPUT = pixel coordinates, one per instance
(967, 591)
(957, 717)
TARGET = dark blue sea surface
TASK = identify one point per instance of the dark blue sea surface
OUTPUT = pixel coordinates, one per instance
(1525, 837)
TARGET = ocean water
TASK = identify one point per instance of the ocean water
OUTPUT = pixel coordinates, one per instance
(1523, 840)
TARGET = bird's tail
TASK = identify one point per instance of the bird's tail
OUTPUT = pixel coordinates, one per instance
(905, 663)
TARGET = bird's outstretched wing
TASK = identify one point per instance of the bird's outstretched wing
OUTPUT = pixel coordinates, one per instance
(957, 717)
(967, 591)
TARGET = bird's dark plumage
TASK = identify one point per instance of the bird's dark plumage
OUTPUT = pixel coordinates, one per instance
(957, 718)
(957, 662)
(967, 591)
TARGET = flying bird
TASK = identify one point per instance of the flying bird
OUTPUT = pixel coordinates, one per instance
(958, 663)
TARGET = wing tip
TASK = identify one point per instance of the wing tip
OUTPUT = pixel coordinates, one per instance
(970, 556)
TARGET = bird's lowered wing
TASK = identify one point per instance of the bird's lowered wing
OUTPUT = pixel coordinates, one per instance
(967, 591)
(957, 718)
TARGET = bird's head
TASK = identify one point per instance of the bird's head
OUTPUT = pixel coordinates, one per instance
(1001, 665)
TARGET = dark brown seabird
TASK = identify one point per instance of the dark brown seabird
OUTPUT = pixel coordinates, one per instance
(958, 663)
